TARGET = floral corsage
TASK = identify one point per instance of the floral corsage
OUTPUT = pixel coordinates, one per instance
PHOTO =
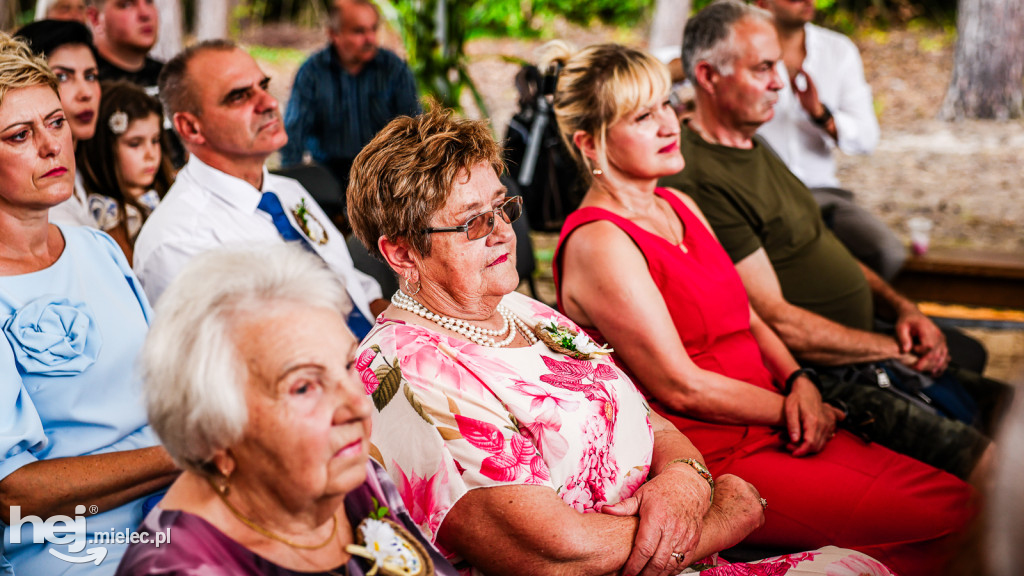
(569, 342)
(311, 227)
(393, 551)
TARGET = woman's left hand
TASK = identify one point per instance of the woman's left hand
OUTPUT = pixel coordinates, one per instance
(671, 507)
(810, 422)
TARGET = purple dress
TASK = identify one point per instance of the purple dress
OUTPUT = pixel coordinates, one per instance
(194, 547)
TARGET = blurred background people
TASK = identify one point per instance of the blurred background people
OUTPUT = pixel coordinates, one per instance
(67, 47)
(824, 104)
(61, 10)
(344, 94)
(125, 32)
(125, 167)
(73, 431)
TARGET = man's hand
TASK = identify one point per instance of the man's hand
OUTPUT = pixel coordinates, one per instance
(671, 507)
(919, 336)
(808, 95)
(810, 422)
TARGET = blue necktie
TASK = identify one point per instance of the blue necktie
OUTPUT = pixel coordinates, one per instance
(271, 204)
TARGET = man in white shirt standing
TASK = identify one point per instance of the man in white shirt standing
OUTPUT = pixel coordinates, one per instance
(827, 104)
(217, 97)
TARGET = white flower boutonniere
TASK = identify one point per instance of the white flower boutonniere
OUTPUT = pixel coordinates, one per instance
(569, 342)
(311, 227)
(118, 122)
(393, 551)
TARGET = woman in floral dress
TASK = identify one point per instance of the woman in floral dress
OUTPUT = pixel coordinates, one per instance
(517, 445)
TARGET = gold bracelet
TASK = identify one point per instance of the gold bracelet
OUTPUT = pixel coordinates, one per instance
(700, 469)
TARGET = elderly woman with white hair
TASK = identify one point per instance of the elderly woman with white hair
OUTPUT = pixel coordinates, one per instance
(250, 384)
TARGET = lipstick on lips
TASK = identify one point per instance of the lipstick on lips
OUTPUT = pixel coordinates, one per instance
(56, 172)
(85, 117)
(350, 449)
(500, 260)
(670, 148)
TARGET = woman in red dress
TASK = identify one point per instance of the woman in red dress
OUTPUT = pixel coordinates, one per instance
(638, 267)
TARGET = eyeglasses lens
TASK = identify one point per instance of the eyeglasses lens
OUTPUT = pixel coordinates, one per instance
(483, 224)
(480, 225)
(512, 209)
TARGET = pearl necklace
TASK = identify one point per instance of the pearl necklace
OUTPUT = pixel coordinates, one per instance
(476, 334)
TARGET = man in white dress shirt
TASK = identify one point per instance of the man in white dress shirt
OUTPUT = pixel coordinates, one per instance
(217, 97)
(825, 104)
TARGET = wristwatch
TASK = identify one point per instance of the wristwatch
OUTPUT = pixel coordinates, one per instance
(822, 120)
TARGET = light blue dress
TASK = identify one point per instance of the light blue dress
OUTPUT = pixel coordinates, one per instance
(69, 386)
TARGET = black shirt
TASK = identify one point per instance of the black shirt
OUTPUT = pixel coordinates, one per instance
(145, 77)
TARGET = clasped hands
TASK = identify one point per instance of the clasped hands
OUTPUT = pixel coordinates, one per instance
(810, 422)
(676, 516)
(922, 344)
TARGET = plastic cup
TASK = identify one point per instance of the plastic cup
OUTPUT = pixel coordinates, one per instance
(920, 229)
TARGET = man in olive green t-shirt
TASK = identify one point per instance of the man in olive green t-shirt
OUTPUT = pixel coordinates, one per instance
(799, 277)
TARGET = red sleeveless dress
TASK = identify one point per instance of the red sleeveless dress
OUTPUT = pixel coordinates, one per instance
(851, 494)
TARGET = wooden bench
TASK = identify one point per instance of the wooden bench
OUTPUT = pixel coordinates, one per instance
(965, 276)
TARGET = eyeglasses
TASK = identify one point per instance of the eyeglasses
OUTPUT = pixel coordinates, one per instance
(482, 224)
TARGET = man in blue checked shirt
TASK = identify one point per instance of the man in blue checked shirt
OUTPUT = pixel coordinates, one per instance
(344, 94)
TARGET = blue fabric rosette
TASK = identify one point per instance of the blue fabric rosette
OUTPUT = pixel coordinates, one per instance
(52, 336)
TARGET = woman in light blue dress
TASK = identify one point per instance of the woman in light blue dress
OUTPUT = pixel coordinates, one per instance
(74, 441)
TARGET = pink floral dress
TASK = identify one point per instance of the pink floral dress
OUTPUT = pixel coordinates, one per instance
(452, 416)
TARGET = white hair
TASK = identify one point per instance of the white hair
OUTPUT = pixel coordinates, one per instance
(193, 373)
(710, 35)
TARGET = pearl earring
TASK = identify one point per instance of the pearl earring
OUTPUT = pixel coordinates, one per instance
(597, 171)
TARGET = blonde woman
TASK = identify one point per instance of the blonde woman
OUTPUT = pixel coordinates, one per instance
(638, 267)
(73, 432)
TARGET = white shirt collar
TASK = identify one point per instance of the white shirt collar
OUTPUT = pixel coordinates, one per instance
(235, 191)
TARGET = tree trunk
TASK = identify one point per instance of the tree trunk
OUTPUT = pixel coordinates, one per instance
(988, 68)
(212, 18)
(667, 24)
(8, 15)
(169, 42)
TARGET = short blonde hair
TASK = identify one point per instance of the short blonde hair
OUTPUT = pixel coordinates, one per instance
(20, 68)
(599, 85)
(194, 377)
(405, 174)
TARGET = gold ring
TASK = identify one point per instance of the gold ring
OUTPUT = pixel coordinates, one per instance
(678, 556)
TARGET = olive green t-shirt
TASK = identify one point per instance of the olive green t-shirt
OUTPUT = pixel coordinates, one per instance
(752, 201)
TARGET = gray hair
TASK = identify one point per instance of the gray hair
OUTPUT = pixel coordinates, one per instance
(709, 35)
(336, 8)
(195, 379)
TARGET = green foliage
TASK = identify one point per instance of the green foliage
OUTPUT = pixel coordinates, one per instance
(615, 12)
(435, 34)
(527, 18)
(277, 55)
(301, 12)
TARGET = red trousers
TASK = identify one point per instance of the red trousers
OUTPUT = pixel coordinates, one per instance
(852, 494)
